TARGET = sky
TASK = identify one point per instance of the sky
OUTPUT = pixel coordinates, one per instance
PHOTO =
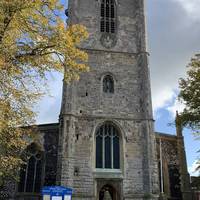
(173, 28)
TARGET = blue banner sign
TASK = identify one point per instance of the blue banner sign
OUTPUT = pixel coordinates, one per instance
(56, 193)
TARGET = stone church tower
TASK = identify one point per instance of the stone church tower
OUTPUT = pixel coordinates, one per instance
(107, 141)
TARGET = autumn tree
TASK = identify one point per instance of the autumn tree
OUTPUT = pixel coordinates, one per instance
(34, 40)
(190, 95)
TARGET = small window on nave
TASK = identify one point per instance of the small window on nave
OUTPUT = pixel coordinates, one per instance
(107, 147)
(31, 171)
(108, 84)
(108, 13)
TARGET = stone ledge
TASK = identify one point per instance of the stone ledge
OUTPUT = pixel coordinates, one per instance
(108, 174)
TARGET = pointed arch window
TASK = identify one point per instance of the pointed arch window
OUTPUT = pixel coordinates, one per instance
(108, 16)
(31, 172)
(107, 147)
(108, 84)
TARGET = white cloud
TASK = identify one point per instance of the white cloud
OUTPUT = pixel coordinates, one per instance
(192, 169)
(176, 106)
(166, 98)
(49, 106)
(173, 34)
(192, 7)
(163, 98)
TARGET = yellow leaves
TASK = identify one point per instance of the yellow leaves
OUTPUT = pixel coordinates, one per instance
(9, 162)
(9, 165)
(77, 33)
(75, 59)
(35, 33)
(34, 40)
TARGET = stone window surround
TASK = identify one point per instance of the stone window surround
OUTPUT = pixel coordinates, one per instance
(103, 75)
(109, 173)
(108, 79)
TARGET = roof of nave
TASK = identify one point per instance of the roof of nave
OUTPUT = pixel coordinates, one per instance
(165, 136)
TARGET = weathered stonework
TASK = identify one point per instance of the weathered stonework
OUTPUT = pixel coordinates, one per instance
(69, 147)
(87, 180)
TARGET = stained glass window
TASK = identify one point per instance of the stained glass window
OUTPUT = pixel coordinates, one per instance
(107, 147)
(99, 151)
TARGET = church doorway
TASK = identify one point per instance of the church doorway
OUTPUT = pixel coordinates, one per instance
(107, 192)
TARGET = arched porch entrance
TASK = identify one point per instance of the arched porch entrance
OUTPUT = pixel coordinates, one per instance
(110, 190)
(107, 192)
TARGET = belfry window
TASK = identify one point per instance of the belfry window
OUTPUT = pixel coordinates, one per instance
(108, 13)
(108, 84)
(31, 172)
(107, 147)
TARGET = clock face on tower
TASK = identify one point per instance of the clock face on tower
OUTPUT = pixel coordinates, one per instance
(108, 40)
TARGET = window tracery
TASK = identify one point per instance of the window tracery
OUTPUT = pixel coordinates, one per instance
(31, 172)
(107, 147)
(108, 13)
